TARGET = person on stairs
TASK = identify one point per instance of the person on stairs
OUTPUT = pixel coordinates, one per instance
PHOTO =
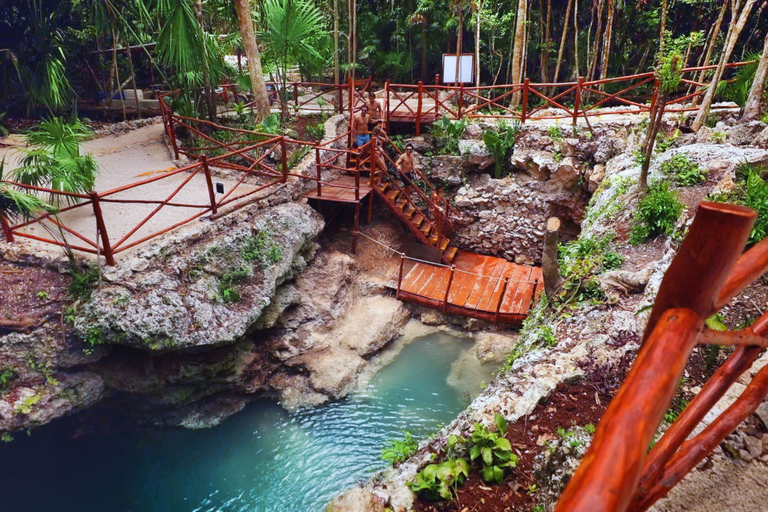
(405, 167)
(374, 110)
(382, 140)
(360, 127)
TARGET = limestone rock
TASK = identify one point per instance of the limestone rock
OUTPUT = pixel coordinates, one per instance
(745, 134)
(595, 177)
(422, 144)
(538, 164)
(356, 500)
(567, 174)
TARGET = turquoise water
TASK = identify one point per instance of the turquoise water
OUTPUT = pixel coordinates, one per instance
(263, 459)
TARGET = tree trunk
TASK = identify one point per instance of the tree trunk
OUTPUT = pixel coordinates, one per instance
(546, 38)
(424, 49)
(353, 30)
(754, 106)
(459, 45)
(607, 40)
(663, 23)
(478, 7)
(592, 59)
(711, 40)
(517, 55)
(336, 64)
(136, 100)
(576, 40)
(549, 269)
(733, 36)
(259, 88)
(563, 36)
(207, 88)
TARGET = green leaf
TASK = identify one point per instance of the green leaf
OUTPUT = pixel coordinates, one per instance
(487, 455)
(501, 423)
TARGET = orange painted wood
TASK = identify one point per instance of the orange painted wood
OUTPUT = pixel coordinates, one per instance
(494, 284)
(495, 297)
(461, 277)
(429, 287)
(418, 283)
(515, 284)
(524, 292)
(470, 283)
(480, 283)
(610, 470)
(706, 257)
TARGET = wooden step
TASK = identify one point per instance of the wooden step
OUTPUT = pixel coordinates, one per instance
(433, 239)
(408, 209)
(382, 186)
(392, 195)
(450, 253)
(443, 244)
(425, 229)
(417, 219)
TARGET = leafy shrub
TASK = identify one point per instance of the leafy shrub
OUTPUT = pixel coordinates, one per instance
(297, 155)
(315, 131)
(270, 124)
(580, 261)
(656, 214)
(227, 283)
(683, 170)
(501, 144)
(439, 481)
(664, 142)
(83, 281)
(493, 450)
(449, 133)
(26, 405)
(547, 335)
(756, 197)
(262, 249)
(396, 450)
(6, 376)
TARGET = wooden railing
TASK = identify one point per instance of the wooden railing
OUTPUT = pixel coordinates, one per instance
(618, 473)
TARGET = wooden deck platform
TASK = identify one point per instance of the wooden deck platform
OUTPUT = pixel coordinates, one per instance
(341, 190)
(476, 287)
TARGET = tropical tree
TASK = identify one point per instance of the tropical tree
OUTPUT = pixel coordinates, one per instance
(15, 203)
(251, 48)
(54, 161)
(755, 102)
(291, 30)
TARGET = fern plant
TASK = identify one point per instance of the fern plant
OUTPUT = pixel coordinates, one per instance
(657, 214)
(493, 450)
(501, 144)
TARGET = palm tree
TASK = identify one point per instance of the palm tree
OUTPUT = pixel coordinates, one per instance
(15, 203)
(55, 160)
(290, 29)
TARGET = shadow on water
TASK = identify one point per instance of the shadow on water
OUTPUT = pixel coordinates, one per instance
(263, 459)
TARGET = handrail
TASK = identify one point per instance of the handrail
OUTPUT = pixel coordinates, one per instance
(616, 474)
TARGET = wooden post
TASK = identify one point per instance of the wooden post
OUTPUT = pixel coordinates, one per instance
(339, 99)
(209, 182)
(101, 226)
(284, 150)
(400, 276)
(296, 95)
(319, 171)
(372, 163)
(577, 100)
(351, 109)
(437, 80)
(386, 103)
(357, 176)
(356, 227)
(549, 267)
(370, 207)
(501, 300)
(461, 98)
(448, 290)
(418, 109)
(525, 100)
(172, 135)
(6, 228)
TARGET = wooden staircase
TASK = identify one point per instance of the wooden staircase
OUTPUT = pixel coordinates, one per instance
(425, 229)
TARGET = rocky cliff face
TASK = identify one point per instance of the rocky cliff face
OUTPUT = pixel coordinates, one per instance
(590, 336)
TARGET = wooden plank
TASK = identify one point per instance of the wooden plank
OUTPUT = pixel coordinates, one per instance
(441, 285)
(480, 284)
(424, 275)
(435, 274)
(461, 277)
(416, 278)
(469, 284)
(493, 284)
(514, 284)
(495, 296)
(525, 289)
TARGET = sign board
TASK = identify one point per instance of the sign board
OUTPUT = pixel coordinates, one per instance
(466, 68)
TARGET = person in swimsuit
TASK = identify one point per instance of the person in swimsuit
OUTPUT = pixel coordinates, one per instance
(405, 167)
(374, 110)
(381, 145)
(360, 127)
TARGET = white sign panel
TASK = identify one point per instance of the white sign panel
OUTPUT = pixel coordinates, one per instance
(466, 68)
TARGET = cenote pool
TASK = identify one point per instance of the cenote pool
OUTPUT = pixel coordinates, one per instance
(261, 460)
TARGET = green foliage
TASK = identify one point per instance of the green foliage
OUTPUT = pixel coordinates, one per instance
(261, 248)
(751, 190)
(493, 451)
(555, 132)
(271, 125)
(439, 481)
(397, 451)
(26, 405)
(84, 280)
(657, 214)
(683, 170)
(737, 89)
(664, 142)
(228, 282)
(54, 160)
(42, 295)
(449, 133)
(297, 155)
(580, 261)
(590, 428)
(547, 336)
(316, 131)
(241, 111)
(501, 144)
(6, 376)
(94, 336)
(718, 137)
